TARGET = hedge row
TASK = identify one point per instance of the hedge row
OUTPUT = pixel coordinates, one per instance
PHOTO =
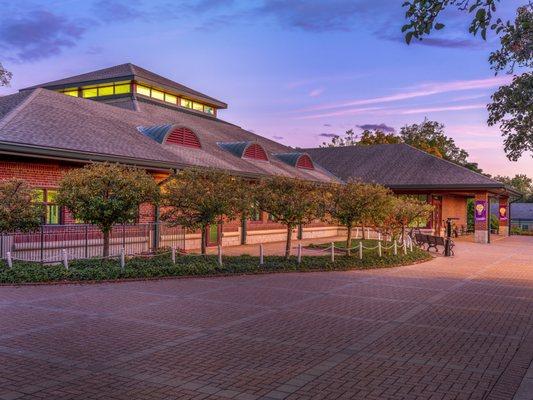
(162, 266)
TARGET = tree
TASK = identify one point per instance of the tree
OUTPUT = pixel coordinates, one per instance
(291, 202)
(197, 198)
(349, 139)
(512, 109)
(106, 194)
(403, 211)
(357, 204)
(520, 182)
(17, 211)
(369, 137)
(5, 76)
(512, 105)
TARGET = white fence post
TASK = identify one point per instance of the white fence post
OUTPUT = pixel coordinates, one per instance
(9, 260)
(122, 258)
(173, 254)
(379, 236)
(404, 247)
(299, 253)
(360, 250)
(65, 258)
(356, 232)
(410, 244)
(395, 248)
(261, 254)
(220, 255)
(333, 251)
(379, 248)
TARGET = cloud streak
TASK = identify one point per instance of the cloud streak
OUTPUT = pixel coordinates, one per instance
(379, 127)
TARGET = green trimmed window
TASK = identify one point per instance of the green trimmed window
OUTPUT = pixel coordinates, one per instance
(47, 197)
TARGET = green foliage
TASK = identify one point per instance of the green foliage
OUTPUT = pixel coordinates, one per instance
(369, 137)
(5, 76)
(196, 198)
(402, 212)
(106, 194)
(357, 204)
(470, 203)
(350, 138)
(162, 266)
(512, 105)
(494, 223)
(520, 182)
(17, 212)
(512, 110)
(291, 202)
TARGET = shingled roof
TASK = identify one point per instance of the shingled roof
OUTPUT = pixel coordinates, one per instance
(398, 166)
(129, 72)
(45, 123)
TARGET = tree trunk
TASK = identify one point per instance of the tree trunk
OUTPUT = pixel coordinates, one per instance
(363, 230)
(349, 240)
(203, 244)
(106, 242)
(289, 241)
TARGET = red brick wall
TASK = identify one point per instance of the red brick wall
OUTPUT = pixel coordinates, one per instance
(37, 174)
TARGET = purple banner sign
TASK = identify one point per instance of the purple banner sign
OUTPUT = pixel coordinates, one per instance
(503, 212)
(480, 210)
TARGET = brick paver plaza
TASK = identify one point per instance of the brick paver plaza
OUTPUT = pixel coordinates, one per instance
(456, 328)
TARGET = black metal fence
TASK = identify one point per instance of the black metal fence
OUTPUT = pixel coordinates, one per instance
(86, 241)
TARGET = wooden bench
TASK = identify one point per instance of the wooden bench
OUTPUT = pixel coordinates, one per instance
(432, 242)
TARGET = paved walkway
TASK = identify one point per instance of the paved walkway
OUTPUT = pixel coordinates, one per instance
(449, 329)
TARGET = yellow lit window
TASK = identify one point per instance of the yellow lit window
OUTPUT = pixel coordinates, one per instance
(186, 103)
(209, 110)
(71, 92)
(105, 91)
(171, 98)
(123, 88)
(198, 106)
(156, 94)
(90, 92)
(145, 91)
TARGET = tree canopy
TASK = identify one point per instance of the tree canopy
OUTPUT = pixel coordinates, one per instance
(17, 211)
(106, 194)
(520, 182)
(357, 204)
(291, 202)
(403, 211)
(196, 198)
(5, 76)
(512, 105)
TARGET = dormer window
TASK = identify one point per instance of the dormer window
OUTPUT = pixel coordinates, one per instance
(297, 160)
(246, 150)
(183, 137)
(171, 135)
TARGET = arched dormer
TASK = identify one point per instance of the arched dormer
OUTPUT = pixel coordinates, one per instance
(297, 160)
(182, 136)
(247, 150)
(172, 135)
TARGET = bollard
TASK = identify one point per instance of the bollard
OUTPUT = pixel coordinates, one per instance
(9, 260)
(404, 247)
(261, 254)
(122, 259)
(360, 250)
(379, 248)
(395, 248)
(173, 254)
(65, 258)
(332, 251)
(299, 253)
(219, 255)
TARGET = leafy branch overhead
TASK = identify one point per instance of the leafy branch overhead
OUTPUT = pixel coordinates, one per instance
(5, 76)
(512, 105)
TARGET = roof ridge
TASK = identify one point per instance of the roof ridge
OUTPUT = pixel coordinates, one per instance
(12, 113)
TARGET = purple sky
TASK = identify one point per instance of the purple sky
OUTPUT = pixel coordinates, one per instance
(294, 71)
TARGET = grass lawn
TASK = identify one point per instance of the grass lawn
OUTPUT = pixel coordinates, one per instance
(190, 265)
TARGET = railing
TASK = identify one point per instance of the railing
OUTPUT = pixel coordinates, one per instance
(85, 241)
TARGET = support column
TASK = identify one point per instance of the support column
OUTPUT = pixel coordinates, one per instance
(503, 213)
(481, 218)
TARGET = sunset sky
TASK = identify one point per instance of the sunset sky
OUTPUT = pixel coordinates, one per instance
(295, 71)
